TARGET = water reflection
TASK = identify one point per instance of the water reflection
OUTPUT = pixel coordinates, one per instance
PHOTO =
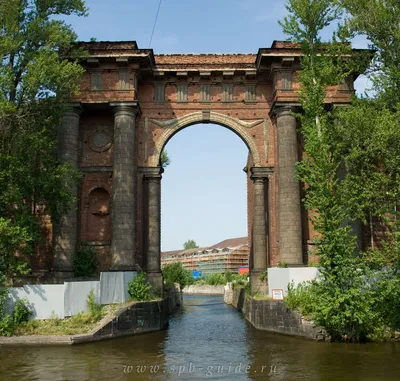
(205, 340)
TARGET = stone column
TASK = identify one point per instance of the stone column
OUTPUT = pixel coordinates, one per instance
(259, 262)
(124, 194)
(289, 208)
(153, 255)
(66, 231)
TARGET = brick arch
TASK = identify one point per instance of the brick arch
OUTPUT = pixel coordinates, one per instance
(173, 126)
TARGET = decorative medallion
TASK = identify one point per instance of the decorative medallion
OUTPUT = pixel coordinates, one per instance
(100, 139)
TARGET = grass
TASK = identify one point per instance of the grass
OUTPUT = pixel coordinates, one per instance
(77, 324)
(260, 296)
(83, 322)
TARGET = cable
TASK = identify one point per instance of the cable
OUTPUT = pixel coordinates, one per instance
(155, 23)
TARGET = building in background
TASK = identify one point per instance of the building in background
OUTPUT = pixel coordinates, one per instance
(230, 254)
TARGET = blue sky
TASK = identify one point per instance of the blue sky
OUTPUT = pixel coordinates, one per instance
(204, 188)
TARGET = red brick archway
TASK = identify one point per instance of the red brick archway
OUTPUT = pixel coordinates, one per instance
(132, 102)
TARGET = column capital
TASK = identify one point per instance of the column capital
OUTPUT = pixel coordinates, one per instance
(284, 108)
(152, 172)
(127, 108)
(73, 109)
(261, 173)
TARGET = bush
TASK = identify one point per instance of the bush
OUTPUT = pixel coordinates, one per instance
(215, 279)
(6, 326)
(3, 300)
(95, 310)
(218, 279)
(239, 283)
(13, 239)
(139, 289)
(6, 321)
(228, 276)
(85, 261)
(22, 312)
(176, 273)
(301, 298)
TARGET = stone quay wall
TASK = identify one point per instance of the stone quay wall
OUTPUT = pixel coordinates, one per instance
(275, 316)
(205, 289)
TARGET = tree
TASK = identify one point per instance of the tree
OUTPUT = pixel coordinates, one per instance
(351, 169)
(379, 21)
(36, 80)
(340, 302)
(165, 160)
(190, 244)
(176, 273)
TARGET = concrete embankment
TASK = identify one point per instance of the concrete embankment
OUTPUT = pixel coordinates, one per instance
(273, 316)
(131, 319)
(204, 289)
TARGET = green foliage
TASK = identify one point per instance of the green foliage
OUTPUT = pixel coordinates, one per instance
(283, 264)
(379, 21)
(85, 261)
(218, 279)
(22, 312)
(6, 321)
(239, 283)
(95, 309)
(190, 244)
(165, 160)
(301, 298)
(20, 315)
(215, 279)
(6, 326)
(13, 239)
(176, 273)
(260, 296)
(247, 289)
(3, 300)
(77, 324)
(36, 80)
(139, 289)
(264, 276)
(350, 168)
(228, 276)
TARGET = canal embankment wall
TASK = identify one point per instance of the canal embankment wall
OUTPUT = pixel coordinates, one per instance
(132, 318)
(204, 289)
(273, 316)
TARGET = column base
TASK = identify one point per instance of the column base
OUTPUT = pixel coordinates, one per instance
(290, 262)
(119, 268)
(61, 276)
(257, 285)
(157, 283)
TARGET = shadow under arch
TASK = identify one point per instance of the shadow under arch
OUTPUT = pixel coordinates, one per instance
(173, 126)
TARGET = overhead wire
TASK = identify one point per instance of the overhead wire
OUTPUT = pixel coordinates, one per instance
(155, 23)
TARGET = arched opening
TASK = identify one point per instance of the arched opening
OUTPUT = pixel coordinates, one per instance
(257, 176)
(98, 216)
(204, 197)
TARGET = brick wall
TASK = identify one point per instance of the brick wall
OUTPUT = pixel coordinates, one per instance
(102, 84)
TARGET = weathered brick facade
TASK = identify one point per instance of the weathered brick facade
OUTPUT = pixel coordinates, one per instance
(132, 102)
